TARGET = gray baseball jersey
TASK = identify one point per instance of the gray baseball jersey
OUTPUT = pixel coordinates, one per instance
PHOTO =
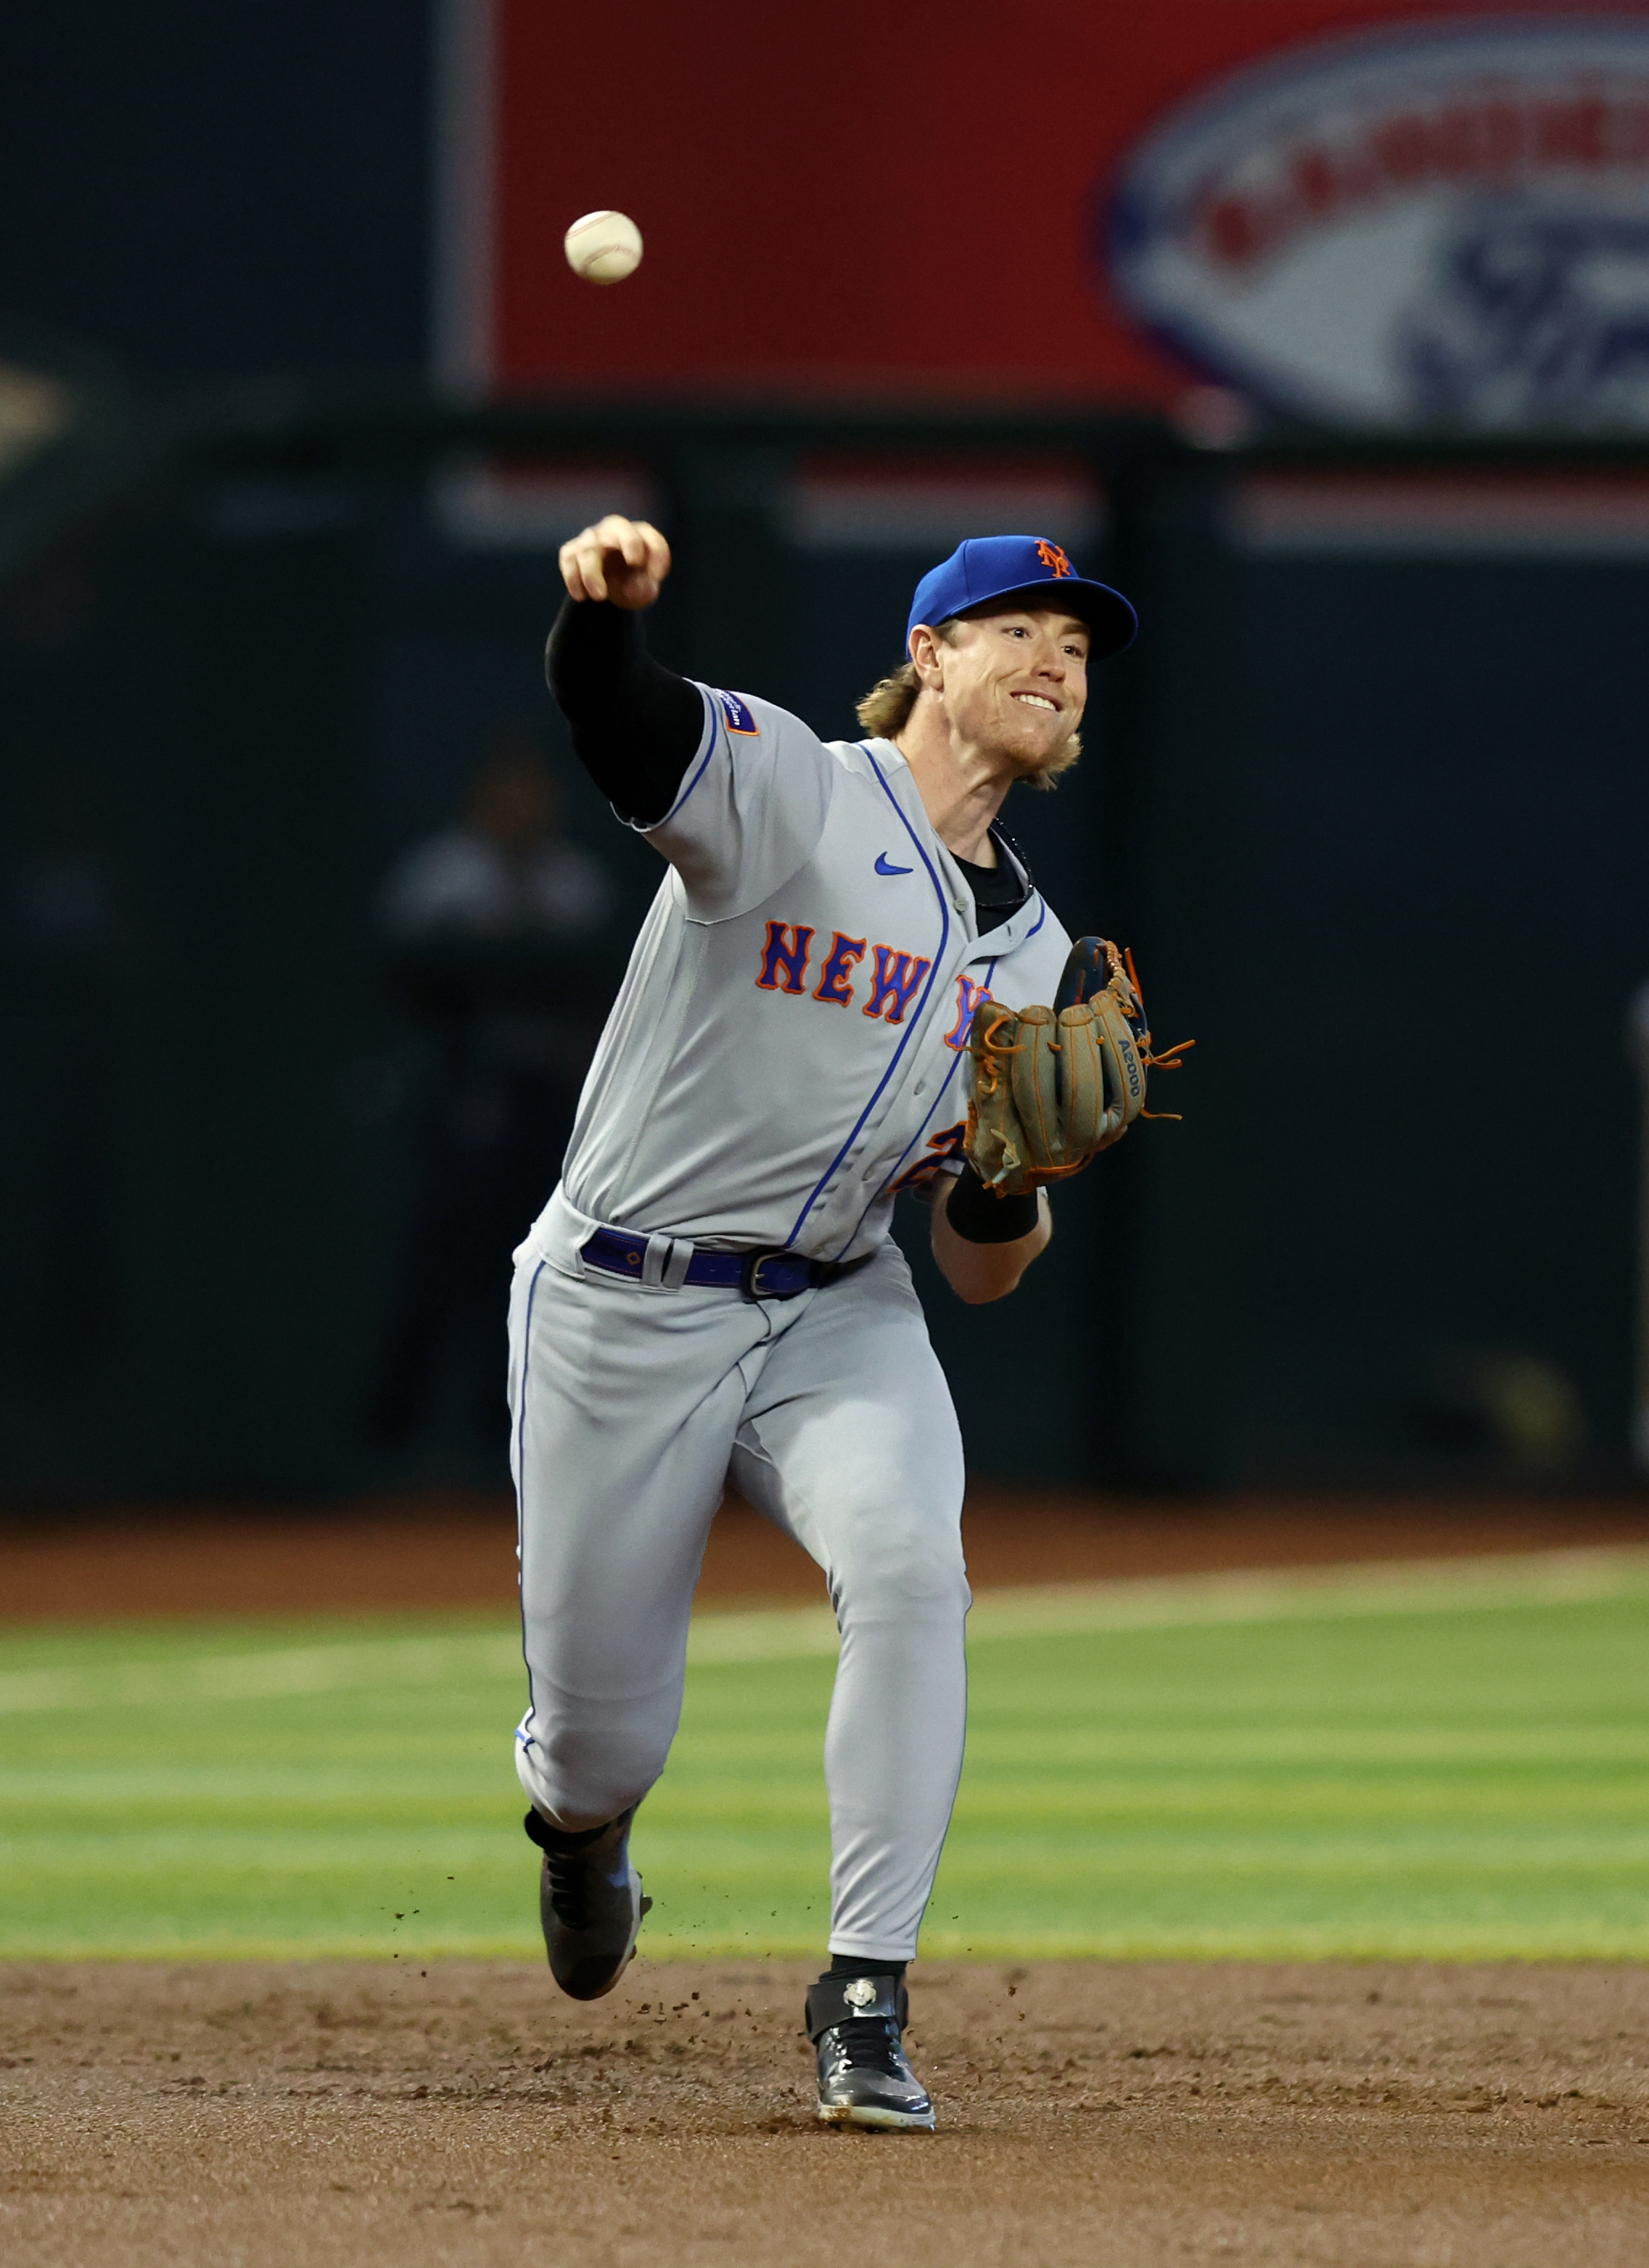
(788, 1049)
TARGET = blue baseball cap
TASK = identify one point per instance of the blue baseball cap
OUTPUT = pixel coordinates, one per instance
(1026, 567)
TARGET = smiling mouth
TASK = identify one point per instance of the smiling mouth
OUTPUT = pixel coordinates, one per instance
(1038, 701)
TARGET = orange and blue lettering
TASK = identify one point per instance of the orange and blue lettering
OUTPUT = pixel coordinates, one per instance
(893, 986)
(836, 978)
(969, 997)
(939, 1146)
(779, 955)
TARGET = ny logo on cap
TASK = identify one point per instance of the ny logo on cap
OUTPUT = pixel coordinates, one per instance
(1054, 560)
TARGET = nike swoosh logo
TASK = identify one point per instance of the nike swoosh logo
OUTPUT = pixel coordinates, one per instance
(884, 866)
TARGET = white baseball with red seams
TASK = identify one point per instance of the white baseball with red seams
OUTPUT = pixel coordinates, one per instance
(604, 247)
(788, 1049)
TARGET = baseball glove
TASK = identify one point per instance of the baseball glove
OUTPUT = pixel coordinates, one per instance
(1053, 1087)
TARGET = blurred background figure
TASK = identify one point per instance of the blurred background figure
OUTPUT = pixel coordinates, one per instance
(497, 934)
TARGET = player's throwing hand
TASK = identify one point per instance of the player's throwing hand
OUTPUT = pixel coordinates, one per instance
(623, 561)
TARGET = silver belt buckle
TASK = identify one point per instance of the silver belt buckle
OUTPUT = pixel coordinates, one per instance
(750, 1275)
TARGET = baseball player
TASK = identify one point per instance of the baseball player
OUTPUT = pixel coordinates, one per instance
(825, 983)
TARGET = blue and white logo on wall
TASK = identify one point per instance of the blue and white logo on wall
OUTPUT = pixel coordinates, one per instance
(1410, 228)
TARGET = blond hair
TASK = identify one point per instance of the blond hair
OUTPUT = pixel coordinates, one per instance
(886, 708)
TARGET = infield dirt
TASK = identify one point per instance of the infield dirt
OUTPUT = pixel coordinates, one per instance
(258, 2116)
(255, 2116)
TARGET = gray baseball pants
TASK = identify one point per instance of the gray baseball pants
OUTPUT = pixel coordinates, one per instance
(632, 1407)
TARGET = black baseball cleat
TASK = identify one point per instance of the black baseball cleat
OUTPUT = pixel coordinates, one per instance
(854, 2024)
(589, 1902)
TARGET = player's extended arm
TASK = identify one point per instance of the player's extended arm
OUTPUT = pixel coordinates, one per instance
(984, 1243)
(635, 724)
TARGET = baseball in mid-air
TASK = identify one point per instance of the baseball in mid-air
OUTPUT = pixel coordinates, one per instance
(604, 247)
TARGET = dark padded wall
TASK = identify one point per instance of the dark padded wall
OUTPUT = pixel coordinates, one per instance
(1392, 847)
(1375, 828)
(204, 190)
(1440, 805)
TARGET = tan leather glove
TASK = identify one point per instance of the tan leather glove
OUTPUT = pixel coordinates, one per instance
(1053, 1087)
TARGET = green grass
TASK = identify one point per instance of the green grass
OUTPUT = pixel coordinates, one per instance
(1464, 1784)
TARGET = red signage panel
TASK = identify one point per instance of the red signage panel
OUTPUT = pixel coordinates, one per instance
(920, 199)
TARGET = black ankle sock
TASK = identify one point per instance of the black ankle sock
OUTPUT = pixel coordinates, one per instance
(860, 1964)
(558, 1839)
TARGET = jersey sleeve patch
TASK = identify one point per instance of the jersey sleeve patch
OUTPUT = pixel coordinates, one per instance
(736, 716)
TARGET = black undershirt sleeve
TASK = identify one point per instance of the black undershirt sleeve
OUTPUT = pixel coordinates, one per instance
(979, 1215)
(636, 726)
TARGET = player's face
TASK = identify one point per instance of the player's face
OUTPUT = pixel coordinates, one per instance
(1017, 682)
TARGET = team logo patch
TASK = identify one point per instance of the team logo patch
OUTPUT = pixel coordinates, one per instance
(1054, 560)
(736, 716)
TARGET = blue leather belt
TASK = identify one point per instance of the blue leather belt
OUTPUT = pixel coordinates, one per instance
(756, 1275)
